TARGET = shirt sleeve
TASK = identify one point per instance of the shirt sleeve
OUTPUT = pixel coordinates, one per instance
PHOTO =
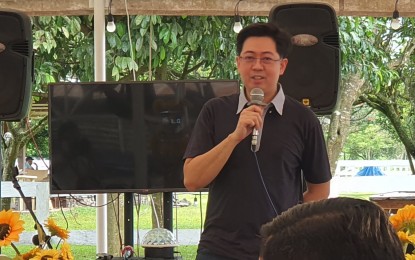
(316, 167)
(201, 139)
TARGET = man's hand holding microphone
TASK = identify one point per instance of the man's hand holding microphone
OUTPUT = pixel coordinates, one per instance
(251, 120)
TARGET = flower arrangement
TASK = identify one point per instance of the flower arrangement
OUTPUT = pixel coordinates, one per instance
(11, 226)
(404, 224)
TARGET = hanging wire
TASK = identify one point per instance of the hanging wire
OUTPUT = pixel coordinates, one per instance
(395, 24)
(176, 216)
(237, 27)
(109, 7)
(110, 19)
(129, 36)
(395, 14)
(150, 75)
(237, 8)
(137, 203)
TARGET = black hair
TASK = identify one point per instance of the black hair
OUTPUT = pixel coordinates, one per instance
(337, 228)
(28, 158)
(281, 38)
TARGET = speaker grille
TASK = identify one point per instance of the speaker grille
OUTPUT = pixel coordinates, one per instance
(16, 65)
(332, 40)
(21, 48)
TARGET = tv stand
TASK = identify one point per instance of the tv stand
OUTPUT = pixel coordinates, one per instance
(168, 210)
(129, 219)
(129, 215)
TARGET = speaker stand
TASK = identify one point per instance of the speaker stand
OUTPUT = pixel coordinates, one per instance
(129, 215)
(39, 226)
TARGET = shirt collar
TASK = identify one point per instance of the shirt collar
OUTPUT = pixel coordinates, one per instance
(278, 100)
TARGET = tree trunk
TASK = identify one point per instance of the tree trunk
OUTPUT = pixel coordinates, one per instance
(115, 220)
(402, 124)
(6, 203)
(350, 90)
(157, 206)
(411, 161)
(18, 136)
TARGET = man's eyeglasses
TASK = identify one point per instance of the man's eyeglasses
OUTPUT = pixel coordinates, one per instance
(252, 60)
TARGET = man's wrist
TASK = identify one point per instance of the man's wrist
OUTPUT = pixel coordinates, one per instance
(233, 138)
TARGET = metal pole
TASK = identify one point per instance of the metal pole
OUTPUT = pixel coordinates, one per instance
(99, 61)
(26, 200)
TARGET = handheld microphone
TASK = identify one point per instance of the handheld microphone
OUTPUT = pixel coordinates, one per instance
(257, 98)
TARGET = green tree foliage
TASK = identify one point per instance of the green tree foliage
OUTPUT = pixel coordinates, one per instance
(38, 145)
(390, 85)
(64, 50)
(376, 69)
(360, 53)
(369, 139)
(172, 48)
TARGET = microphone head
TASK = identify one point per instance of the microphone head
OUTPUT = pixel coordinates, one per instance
(257, 96)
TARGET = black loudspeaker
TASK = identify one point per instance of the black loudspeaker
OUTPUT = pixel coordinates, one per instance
(313, 73)
(16, 65)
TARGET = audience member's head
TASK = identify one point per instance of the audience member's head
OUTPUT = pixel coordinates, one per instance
(337, 228)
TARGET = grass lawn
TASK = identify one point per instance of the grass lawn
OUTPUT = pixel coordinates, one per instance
(190, 217)
(83, 217)
(357, 195)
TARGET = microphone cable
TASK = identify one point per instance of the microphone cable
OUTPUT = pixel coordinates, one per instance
(265, 186)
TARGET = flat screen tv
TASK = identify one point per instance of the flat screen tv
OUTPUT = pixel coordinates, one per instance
(124, 137)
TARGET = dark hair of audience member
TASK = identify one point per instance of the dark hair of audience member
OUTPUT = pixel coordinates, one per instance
(337, 228)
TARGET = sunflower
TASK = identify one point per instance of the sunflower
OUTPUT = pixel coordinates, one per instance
(55, 230)
(48, 254)
(405, 237)
(409, 257)
(404, 224)
(66, 252)
(29, 255)
(404, 219)
(10, 227)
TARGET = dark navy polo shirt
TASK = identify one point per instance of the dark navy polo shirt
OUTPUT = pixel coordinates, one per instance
(238, 204)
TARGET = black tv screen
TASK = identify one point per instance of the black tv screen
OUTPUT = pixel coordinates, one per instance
(124, 137)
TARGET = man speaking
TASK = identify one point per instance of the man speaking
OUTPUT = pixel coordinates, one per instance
(252, 179)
